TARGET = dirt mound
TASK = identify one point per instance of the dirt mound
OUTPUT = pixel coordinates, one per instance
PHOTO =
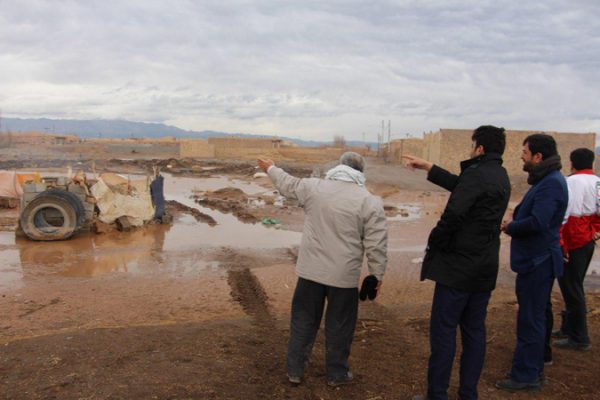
(229, 193)
(228, 200)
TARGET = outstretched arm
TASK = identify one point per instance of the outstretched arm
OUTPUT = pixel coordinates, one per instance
(288, 185)
(436, 175)
(416, 162)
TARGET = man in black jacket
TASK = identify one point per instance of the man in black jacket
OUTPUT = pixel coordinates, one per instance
(462, 258)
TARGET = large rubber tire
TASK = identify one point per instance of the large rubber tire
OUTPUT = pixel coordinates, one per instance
(37, 228)
(71, 198)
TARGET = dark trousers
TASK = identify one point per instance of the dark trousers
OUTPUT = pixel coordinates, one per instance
(452, 308)
(549, 324)
(533, 294)
(340, 321)
(574, 321)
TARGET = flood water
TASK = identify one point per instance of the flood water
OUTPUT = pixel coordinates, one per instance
(178, 249)
(144, 249)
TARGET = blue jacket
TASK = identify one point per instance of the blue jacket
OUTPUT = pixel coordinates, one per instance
(535, 229)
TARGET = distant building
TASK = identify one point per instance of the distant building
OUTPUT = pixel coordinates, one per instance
(447, 147)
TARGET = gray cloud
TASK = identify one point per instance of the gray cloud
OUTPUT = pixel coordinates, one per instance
(310, 69)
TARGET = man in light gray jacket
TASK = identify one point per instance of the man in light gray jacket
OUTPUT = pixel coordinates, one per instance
(343, 222)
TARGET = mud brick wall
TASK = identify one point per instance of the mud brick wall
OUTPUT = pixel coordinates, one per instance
(311, 154)
(566, 143)
(410, 146)
(149, 149)
(196, 148)
(241, 148)
(448, 147)
(431, 150)
(454, 146)
(236, 143)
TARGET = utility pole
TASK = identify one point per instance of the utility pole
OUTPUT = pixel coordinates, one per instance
(389, 146)
(382, 138)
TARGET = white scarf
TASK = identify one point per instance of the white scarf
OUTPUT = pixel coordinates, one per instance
(346, 174)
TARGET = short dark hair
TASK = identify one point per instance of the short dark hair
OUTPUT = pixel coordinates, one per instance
(582, 158)
(493, 139)
(541, 143)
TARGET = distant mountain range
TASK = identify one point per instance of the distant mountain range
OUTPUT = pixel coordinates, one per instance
(105, 128)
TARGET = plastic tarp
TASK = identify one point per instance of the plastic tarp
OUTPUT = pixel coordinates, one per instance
(137, 205)
(9, 185)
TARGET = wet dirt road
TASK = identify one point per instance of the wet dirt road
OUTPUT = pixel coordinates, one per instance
(184, 311)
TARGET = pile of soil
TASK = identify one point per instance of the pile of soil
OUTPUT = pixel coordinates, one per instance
(228, 200)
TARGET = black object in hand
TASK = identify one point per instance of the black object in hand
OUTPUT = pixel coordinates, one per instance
(368, 288)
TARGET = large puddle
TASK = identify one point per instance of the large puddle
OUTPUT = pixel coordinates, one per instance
(148, 248)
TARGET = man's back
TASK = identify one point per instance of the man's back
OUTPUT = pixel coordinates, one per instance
(582, 218)
(342, 221)
(464, 245)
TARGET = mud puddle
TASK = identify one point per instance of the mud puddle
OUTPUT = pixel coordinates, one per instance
(229, 231)
(150, 249)
(175, 185)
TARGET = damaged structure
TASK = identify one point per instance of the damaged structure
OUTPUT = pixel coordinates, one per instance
(57, 208)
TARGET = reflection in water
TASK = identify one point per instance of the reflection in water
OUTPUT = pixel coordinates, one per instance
(92, 255)
(10, 271)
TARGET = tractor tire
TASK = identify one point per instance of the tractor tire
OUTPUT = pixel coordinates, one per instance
(34, 223)
(71, 198)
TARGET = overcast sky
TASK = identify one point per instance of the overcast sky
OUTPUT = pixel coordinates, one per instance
(309, 69)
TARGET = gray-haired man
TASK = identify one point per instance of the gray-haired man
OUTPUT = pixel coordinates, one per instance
(343, 223)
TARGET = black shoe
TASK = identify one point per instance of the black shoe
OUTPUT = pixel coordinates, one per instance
(342, 380)
(571, 345)
(512, 386)
(542, 378)
(558, 334)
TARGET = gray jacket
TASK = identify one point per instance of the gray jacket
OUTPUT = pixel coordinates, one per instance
(343, 221)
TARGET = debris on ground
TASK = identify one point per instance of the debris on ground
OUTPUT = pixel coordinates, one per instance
(117, 197)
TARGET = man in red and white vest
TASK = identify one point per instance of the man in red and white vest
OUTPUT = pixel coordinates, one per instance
(578, 235)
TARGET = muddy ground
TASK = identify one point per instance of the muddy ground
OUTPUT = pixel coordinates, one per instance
(193, 311)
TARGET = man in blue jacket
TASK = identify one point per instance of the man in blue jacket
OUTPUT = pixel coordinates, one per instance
(536, 257)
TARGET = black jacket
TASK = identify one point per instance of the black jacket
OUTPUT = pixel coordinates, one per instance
(462, 250)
